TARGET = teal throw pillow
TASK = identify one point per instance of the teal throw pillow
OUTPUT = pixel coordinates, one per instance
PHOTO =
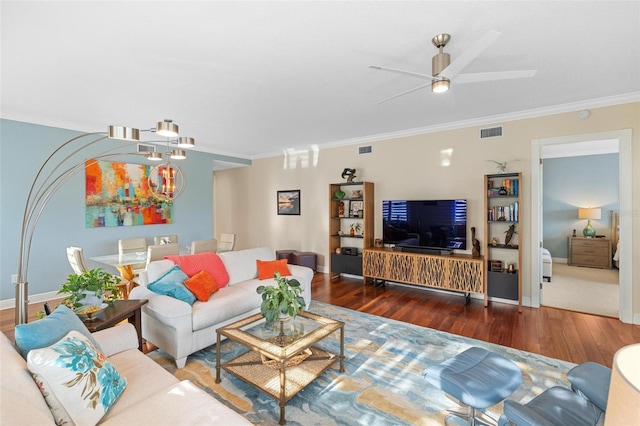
(49, 330)
(171, 283)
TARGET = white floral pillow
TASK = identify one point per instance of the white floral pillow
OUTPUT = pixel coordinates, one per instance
(77, 381)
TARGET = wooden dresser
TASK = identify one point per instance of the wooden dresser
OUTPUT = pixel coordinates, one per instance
(591, 252)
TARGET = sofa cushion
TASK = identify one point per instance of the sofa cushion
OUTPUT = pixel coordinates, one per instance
(49, 330)
(156, 269)
(202, 285)
(76, 379)
(21, 401)
(241, 265)
(226, 303)
(268, 268)
(191, 264)
(171, 283)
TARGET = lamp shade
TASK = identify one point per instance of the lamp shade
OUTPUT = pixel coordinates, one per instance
(440, 86)
(623, 402)
(589, 213)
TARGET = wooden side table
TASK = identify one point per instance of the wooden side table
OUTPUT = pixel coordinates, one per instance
(119, 311)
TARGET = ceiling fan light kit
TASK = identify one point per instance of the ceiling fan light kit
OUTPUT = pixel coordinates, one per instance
(443, 70)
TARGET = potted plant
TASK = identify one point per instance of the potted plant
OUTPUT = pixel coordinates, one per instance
(281, 300)
(355, 227)
(80, 288)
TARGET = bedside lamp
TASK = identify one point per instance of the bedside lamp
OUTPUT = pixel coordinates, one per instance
(589, 213)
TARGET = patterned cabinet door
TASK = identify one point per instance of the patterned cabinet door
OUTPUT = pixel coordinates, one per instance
(373, 264)
(466, 275)
(401, 267)
(432, 271)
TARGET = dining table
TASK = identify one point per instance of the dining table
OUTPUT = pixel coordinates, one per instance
(123, 262)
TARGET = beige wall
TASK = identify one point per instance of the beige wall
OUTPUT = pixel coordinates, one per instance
(405, 168)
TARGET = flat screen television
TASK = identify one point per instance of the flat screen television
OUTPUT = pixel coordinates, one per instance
(435, 224)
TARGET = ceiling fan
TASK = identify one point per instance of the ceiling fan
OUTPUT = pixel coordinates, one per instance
(443, 71)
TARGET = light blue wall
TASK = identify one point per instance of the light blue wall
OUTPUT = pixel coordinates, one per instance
(573, 182)
(23, 148)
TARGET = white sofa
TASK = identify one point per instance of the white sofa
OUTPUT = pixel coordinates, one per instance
(181, 329)
(547, 264)
(152, 395)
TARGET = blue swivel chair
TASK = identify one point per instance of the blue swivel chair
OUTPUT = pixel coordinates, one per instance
(560, 406)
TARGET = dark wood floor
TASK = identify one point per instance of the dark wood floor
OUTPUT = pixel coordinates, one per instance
(552, 332)
(556, 333)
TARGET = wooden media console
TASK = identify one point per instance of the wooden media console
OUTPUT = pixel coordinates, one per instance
(456, 272)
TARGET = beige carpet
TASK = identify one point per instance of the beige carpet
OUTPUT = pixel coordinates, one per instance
(589, 290)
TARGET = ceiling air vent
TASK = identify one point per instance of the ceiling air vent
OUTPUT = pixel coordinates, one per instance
(491, 132)
(364, 150)
(146, 148)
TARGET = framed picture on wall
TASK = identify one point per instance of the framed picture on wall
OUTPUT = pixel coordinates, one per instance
(289, 202)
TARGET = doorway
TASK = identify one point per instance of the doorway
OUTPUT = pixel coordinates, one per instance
(580, 175)
(623, 138)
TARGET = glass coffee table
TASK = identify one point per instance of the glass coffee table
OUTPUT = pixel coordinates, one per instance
(281, 359)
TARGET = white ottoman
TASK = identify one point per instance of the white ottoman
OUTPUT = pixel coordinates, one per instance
(546, 264)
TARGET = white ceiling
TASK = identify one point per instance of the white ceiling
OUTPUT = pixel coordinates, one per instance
(252, 79)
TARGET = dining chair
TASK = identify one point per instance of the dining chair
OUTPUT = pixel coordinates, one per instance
(132, 245)
(199, 246)
(165, 239)
(75, 255)
(227, 241)
(159, 251)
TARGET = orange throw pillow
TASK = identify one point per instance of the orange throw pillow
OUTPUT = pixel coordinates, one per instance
(202, 285)
(267, 268)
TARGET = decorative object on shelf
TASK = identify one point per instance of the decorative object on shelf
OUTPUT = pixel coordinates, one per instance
(343, 208)
(495, 265)
(282, 300)
(502, 191)
(494, 241)
(589, 213)
(378, 242)
(90, 288)
(340, 194)
(338, 250)
(289, 202)
(357, 193)
(501, 165)
(59, 167)
(574, 233)
(355, 227)
(475, 252)
(348, 174)
(510, 231)
(340, 232)
(511, 269)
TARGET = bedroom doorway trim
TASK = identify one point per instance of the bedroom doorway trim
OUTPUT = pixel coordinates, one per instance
(624, 138)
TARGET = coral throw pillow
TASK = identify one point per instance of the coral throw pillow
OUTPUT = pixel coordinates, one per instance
(202, 285)
(191, 264)
(76, 379)
(267, 268)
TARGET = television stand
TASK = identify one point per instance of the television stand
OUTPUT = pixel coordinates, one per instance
(454, 272)
(422, 249)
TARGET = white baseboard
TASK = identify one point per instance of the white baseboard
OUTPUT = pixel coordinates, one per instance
(33, 298)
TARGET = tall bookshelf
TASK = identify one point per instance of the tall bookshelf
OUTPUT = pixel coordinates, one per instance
(503, 259)
(339, 225)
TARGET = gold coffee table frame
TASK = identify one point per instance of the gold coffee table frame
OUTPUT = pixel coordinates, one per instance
(286, 381)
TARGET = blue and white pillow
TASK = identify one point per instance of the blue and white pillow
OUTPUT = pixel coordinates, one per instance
(76, 379)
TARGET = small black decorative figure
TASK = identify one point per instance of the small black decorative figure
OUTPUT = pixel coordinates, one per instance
(475, 252)
(509, 232)
(348, 174)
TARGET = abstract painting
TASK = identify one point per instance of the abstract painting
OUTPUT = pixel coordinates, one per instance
(118, 194)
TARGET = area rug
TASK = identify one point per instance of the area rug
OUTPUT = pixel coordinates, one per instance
(382, 384)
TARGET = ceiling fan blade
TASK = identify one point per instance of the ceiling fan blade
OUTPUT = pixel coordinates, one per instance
(470, 54)
(490, 76)
(404, 93)
(403, 72)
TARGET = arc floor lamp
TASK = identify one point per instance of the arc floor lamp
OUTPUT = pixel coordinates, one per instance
(60, 166)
